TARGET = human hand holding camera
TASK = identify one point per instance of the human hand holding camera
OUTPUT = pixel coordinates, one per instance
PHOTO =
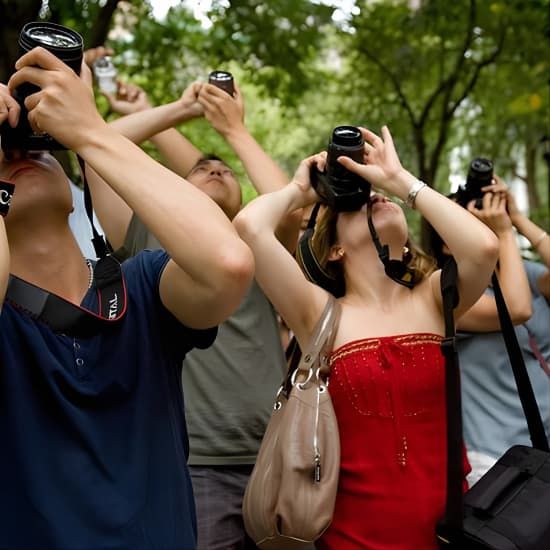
(382, 167)
(64, 105)
(224, 111)
(303, 193)
(493, 211)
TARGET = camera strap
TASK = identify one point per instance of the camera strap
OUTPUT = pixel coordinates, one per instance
(397, 270)
(311, 266)
(64, 316)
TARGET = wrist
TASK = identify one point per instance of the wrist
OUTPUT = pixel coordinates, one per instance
(415, 188)
(403, 183)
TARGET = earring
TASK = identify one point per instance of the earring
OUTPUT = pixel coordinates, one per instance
(340, 252)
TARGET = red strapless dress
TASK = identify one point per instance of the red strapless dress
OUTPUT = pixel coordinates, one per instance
(389, 398)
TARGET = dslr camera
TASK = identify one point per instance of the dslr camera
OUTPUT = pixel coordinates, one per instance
(339, 188)
(223, 80)
(480, 174)
(65, 44)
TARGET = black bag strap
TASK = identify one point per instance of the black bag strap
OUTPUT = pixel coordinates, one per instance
(523, 383)
(454, 501)
(453, 519)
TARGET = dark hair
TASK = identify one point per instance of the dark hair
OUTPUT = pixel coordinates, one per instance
(207, 158)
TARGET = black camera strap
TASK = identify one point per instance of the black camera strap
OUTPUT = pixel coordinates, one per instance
(64, 316)
(397, 270)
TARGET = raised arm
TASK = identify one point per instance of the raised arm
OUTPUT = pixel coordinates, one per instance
(483, 315)
(211, 267)
(472, 243)
(226, 115)
(538, 237)
(297, 300)
(139, 123)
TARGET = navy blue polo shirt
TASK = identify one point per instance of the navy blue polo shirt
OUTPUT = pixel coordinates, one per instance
(93, 445)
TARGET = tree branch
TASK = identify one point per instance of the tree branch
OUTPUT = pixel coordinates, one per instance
(395, 82)
(98, 33)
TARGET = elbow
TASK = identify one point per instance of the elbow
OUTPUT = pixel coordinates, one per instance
(489, 249)
(245, 227)
(235, 273)
(520, 315)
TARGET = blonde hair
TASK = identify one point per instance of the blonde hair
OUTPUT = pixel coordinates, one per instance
(324, 237)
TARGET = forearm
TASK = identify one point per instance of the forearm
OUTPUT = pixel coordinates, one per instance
(141, 126)
(535, 234)
(178, 152)
(513, 278)
(264, 173)
(263, 215)
(266, 176)
(190, 226)
(473, 245)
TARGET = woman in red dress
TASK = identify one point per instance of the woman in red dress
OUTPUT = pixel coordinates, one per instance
(387, 376)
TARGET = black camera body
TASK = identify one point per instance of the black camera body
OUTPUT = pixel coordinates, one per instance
(222, 80)
(340, 189)
(65, 44)
(480, 174)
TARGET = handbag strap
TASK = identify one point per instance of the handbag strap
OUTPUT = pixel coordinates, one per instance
(318, 348)
(453, 518)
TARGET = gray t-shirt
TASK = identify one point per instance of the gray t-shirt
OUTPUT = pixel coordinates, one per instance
(230, 387)
(493, 419)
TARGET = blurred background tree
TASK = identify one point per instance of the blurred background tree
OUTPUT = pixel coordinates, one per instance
(453, 80)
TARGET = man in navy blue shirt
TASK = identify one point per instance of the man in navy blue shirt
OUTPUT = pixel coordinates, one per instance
(93, 441)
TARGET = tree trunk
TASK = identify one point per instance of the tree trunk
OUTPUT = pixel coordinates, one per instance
(13, 15)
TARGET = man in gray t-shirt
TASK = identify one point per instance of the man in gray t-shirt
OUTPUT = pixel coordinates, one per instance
(493, 419)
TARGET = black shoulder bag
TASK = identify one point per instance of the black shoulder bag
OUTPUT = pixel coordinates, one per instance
(509, 507)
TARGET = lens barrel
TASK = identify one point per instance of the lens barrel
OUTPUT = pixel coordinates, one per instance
(63, 42)
(223, 80)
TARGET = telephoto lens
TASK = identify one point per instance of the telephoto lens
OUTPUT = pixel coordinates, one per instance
(346, 141)
(65, 44)
(339, 188)
(223, 80)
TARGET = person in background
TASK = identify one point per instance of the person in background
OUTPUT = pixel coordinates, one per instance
(230, 388)
(493, 418)
(387, 370)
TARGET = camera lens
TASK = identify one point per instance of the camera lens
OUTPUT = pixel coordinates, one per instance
(223, 80)
(347, 136)
(63, 42)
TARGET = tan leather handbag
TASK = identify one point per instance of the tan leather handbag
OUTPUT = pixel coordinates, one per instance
(289, 500)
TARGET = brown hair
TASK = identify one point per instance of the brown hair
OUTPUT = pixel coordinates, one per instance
(324, 237)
